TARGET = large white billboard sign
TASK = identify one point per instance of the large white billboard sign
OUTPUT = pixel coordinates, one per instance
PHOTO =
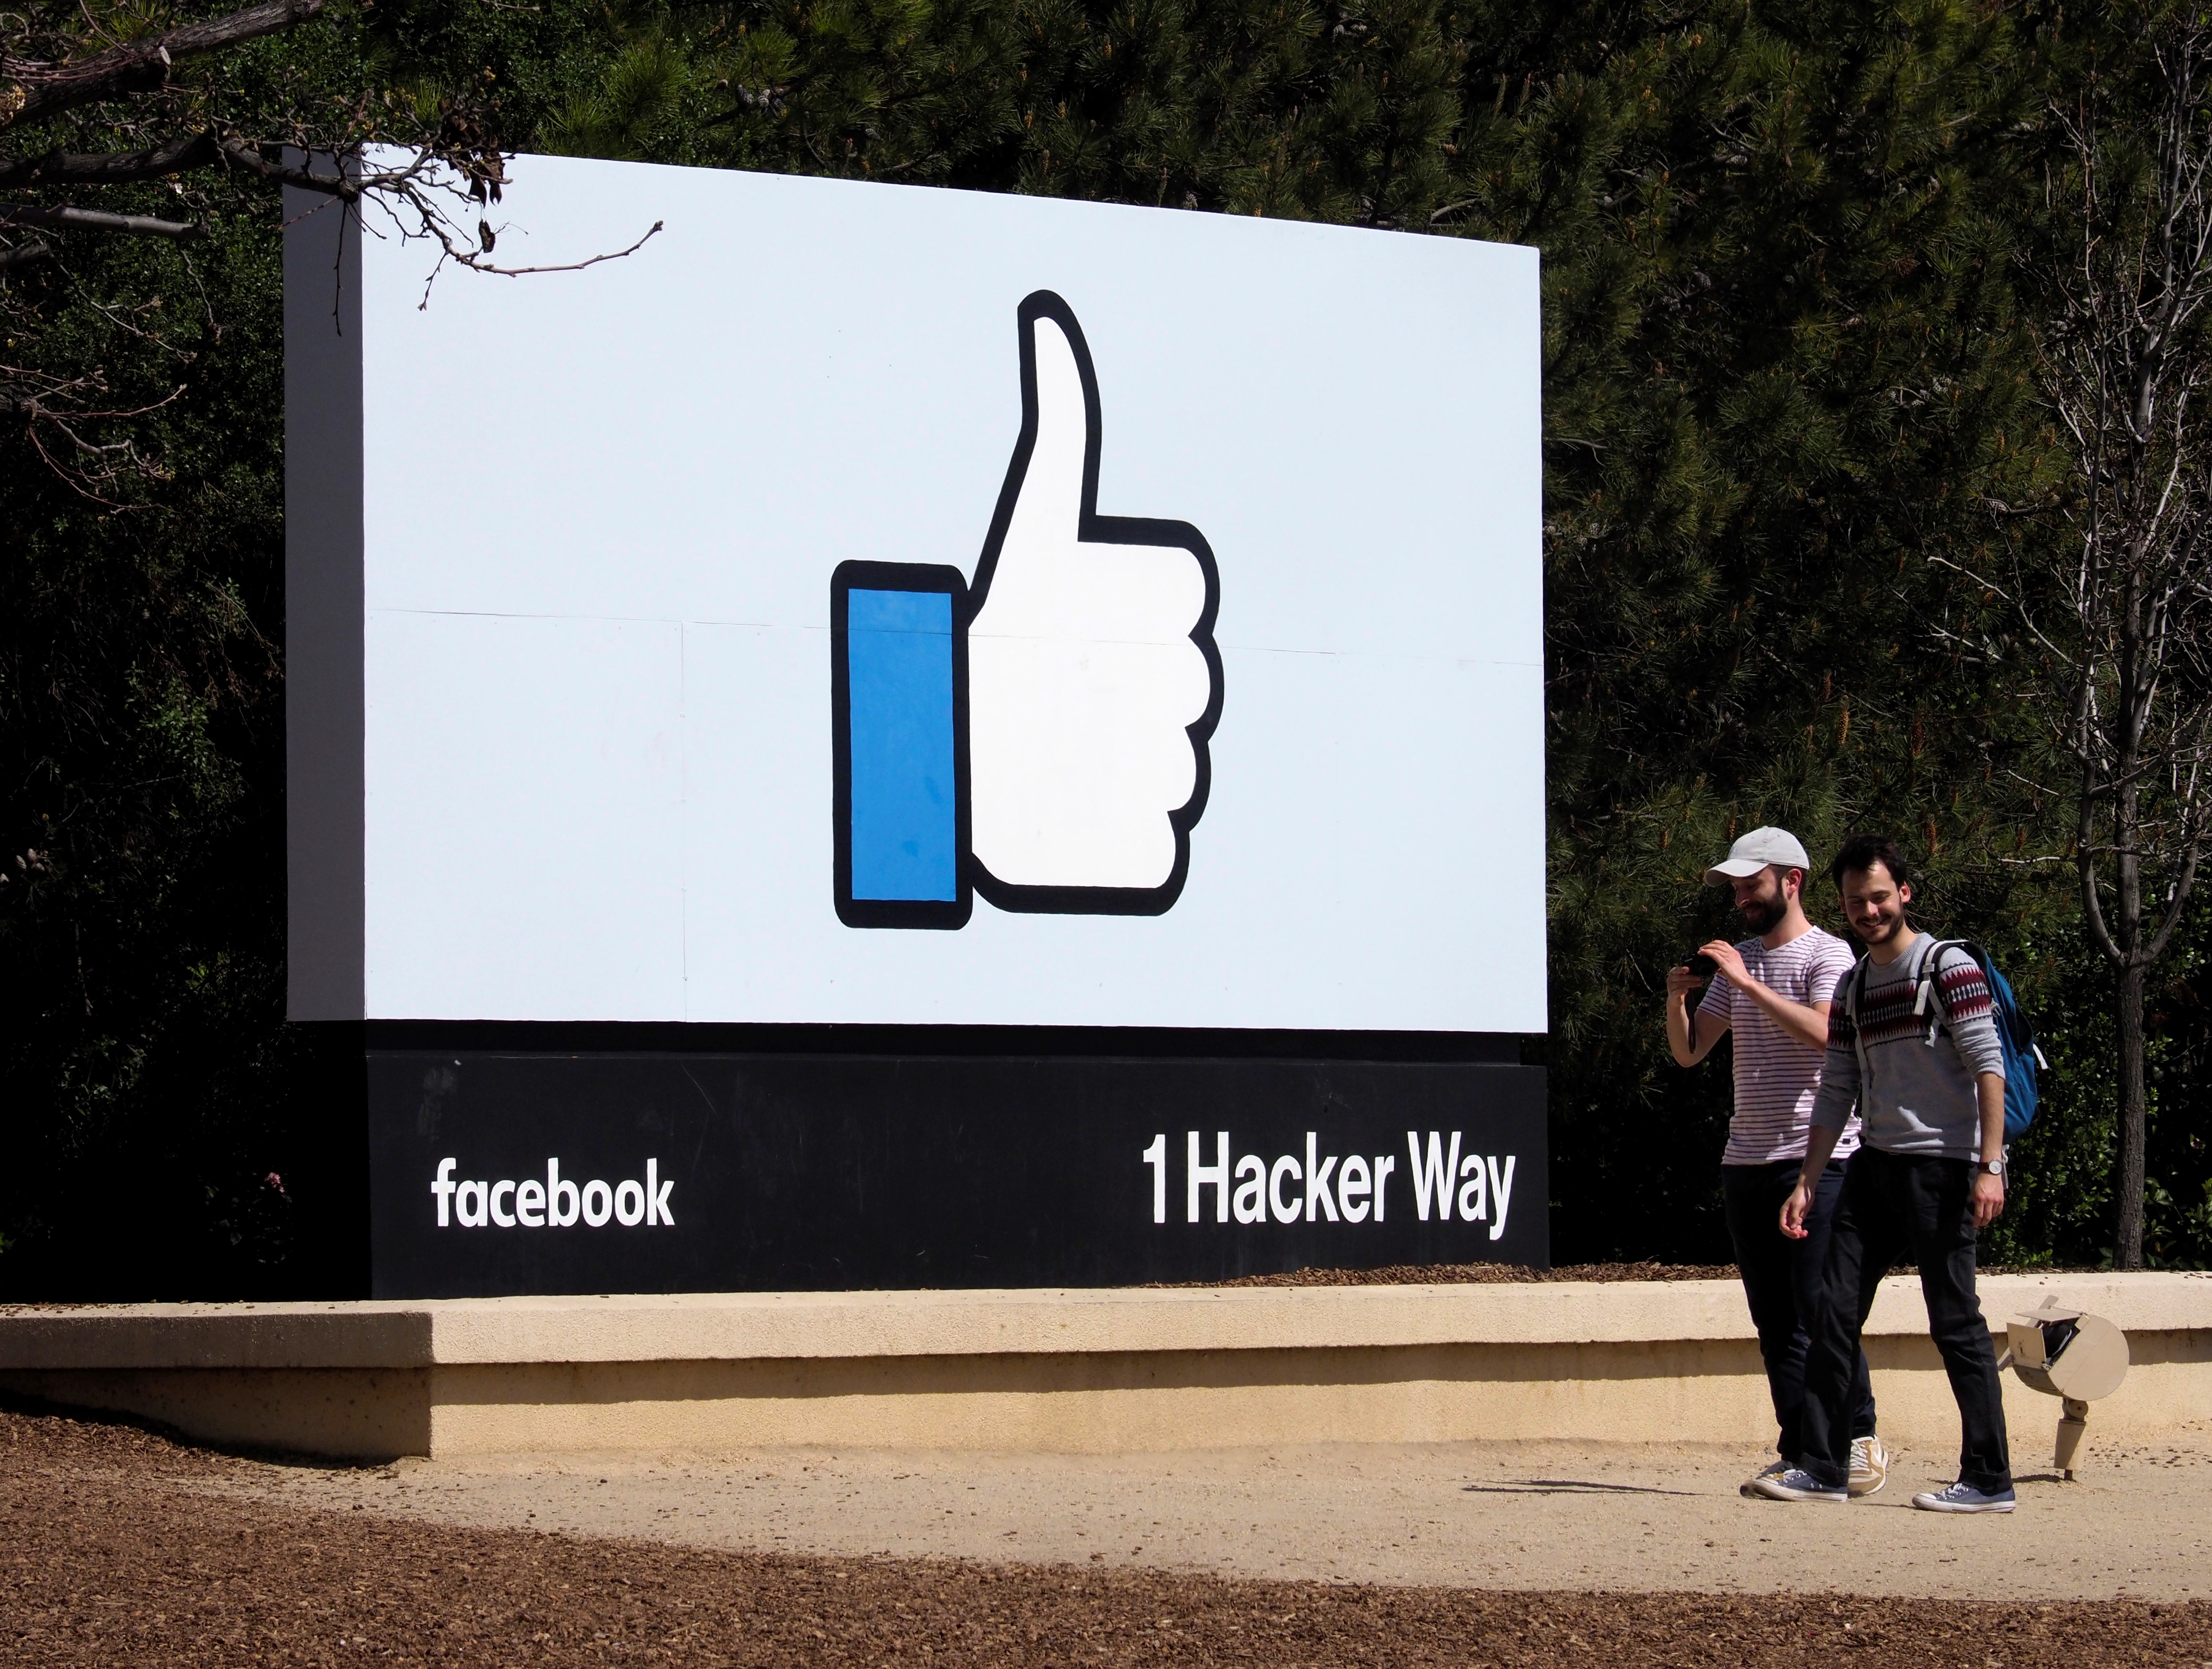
(879, 604)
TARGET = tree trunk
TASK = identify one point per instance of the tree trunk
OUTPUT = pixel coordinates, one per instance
(2128, 1238)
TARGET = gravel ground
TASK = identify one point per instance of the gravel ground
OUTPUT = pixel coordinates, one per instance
(117, 1545)
(1592, 1517)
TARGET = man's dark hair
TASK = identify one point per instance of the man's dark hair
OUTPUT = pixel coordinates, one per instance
(1863, 852)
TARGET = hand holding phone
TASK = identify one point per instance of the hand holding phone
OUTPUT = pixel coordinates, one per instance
(1683, 981)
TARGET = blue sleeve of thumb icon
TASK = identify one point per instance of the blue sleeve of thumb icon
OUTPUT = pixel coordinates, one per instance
(904, 828)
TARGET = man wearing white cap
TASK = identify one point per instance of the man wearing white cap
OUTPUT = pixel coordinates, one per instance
(1772, 992)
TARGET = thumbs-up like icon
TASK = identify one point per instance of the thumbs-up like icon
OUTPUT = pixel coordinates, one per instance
(1039, 735)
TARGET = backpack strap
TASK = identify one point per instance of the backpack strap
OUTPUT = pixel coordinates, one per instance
(1927, 989)
(1854, 990)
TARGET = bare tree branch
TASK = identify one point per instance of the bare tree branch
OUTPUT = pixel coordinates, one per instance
(241, 154)
(31, 90)
(59, 167)
(2122, 605)
(459, 253)
(433, 171)
(96, 220)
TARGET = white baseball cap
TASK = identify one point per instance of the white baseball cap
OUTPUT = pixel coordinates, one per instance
(1755, 852)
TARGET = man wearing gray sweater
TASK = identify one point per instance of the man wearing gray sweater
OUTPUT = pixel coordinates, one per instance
(1929, 1088)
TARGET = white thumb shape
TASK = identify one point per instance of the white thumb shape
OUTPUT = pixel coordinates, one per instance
(1093, 682)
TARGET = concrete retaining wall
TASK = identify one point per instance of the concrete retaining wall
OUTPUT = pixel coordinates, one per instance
(1096, 1370)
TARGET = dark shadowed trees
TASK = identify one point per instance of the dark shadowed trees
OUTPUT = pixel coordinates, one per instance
(2114, 595)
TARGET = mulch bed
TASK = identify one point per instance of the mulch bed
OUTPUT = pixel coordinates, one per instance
(109, 1555)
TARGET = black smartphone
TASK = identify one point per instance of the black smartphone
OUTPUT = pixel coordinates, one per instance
(1702, 966)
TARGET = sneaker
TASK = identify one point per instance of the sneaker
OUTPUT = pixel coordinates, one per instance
(1963, 1497)
(1869, 1466)
(1750, 1486)
(1792, 1484)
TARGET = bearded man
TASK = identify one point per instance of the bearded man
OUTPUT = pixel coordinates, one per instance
(1915, 1051)
(1772, 993)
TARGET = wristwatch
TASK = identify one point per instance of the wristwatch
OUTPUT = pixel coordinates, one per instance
(1994, 1166)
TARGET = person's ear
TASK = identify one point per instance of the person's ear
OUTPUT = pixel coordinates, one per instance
(1904, 892)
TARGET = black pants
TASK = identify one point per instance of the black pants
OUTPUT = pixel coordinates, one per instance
(1782, 1278)
(1892, 1205)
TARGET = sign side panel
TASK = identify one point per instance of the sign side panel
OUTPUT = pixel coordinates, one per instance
(323, 707)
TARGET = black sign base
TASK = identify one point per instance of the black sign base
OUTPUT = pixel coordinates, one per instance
(498, 1167)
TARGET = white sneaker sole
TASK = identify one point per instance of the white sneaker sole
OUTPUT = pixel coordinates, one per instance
(1749, 1487)
(1929, 1504)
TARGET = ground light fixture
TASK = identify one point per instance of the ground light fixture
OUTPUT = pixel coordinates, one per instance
(2072, 1356)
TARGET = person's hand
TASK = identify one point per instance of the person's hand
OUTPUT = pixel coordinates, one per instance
(1680, 982)
(1730, 961)
(1988, 1198)
(1794, 1210)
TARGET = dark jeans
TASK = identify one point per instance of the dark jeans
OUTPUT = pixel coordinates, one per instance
(1895, 1204)
(1782, 1279)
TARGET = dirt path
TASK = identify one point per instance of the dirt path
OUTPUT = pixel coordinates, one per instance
(1504, 1515)
(116, 1546)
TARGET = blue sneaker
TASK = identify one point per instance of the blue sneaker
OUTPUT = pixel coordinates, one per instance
(1797, 1484)
(1772, 1469)
(1963, 1497)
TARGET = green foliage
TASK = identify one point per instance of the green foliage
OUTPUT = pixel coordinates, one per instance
(1787, 370)
(2061, 1210)
(1785, 374)
(141, 747)
(1285, 109)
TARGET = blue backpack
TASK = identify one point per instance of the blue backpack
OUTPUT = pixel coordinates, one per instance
(2022, 1055)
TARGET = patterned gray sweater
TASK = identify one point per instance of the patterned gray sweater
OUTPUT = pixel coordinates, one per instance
(1917, 1098)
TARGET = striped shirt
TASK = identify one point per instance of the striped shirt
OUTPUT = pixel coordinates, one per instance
(1917, 1099)
(1776, 1077)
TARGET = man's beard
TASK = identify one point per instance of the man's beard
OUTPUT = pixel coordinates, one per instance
(1763, 915)
(1887, 933)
